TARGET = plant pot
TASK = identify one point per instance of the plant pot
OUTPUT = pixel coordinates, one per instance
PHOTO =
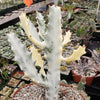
(77, 78)
(76, 10)
(63, 9)
(18, 74)
(43, 91)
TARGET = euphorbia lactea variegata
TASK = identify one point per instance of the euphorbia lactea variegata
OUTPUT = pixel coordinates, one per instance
(51, 43)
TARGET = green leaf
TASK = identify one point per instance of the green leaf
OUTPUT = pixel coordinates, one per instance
(80, 86)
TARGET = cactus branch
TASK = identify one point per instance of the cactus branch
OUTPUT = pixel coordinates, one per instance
(53, 51)
(67, 38)
(30, 31)
(38, 60)
(24, 58)
(41, 25)
(76, 54)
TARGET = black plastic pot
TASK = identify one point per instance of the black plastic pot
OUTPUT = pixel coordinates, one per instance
(97, 33)
(94, 89)
(16, 7)
(10, 9)
(93, 44)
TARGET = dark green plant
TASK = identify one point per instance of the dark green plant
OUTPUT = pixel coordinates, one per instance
(3, 70)
(15, 63)
(85, 33)
(4, 73)
(75, 0)
(84, 27)
(70, 7)
(59, 2)
(4, 61)
(66, 20)
(81, 86)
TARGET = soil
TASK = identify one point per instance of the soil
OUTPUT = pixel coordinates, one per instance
(94, 44)
(89, 73)
(36, 92)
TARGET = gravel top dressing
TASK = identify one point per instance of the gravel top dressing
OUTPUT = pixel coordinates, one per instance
(89, 73)
(36, 92)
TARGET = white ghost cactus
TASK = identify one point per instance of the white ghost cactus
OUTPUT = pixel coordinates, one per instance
(52, 45)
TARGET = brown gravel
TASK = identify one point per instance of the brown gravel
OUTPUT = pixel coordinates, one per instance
(35, 92)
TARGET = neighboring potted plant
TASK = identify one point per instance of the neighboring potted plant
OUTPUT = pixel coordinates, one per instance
(84, 68)
(8, 67)
(70, 8)
(96, 58)
(83, 28)
(50, 40)
(3, 70)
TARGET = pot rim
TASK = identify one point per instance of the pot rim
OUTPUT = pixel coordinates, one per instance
(84, 76)
(73, 89)
(42, 86)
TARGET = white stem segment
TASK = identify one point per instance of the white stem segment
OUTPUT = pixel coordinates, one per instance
(41, 25)
(53, 51)
(24, 58)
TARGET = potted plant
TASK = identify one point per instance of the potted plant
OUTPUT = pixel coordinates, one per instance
(83, 28)
(84, 68)
(38, 91)
(96, 58)
(3, 70)
(70, 8)
(49, 39)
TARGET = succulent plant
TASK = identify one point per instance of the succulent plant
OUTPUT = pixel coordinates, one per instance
(69, 8)
(96, 58)
(51, 42)
(84, 28)
(84, 67)
(4, 74)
